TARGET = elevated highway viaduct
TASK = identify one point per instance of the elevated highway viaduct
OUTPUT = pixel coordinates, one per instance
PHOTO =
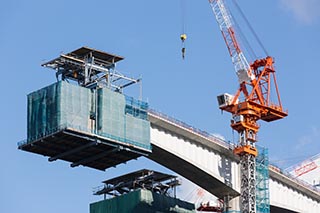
(210, 163)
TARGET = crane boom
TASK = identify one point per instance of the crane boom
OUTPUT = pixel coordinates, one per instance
(256, 80)
(225, 23)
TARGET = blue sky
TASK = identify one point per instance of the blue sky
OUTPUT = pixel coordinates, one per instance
(147, 33)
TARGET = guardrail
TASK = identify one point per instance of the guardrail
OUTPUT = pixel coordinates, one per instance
(192, 129)
(67, 125)
(42, 135)
(295, 179)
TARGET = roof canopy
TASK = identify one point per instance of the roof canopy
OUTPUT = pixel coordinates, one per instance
(84, 52)
(142, 179)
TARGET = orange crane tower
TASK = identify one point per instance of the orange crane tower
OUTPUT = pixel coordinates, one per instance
(252, 102)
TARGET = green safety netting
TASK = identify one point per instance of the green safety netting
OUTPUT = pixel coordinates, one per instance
(102, 112)
(142, 201)
(58, 106)
(115, 120)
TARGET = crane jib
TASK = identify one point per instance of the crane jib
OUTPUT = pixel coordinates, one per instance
(238, 59)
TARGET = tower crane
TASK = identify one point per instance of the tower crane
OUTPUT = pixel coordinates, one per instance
(252, 102)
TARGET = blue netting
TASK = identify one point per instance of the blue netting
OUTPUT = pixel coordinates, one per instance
(136, 108)
(262, 181)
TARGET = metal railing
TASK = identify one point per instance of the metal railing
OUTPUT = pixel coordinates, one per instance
(226, 144)
(66, 126)
(42, 135)
(192, 129)
(293, 178)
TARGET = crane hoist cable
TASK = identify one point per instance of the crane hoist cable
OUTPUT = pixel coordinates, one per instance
(250, 27)
(244, 39)
(183, 35)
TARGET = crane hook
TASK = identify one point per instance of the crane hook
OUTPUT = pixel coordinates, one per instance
(183, 37)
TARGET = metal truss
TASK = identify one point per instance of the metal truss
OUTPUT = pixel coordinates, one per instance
(248, 184)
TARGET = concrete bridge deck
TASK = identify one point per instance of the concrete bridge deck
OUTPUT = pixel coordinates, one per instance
(210, 163)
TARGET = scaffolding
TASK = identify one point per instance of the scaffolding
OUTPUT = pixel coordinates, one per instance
(154, 181)
(141, 191)
(91, 68)
(262, 181)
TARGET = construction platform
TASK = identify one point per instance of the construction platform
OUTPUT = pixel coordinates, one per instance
(143, 179)
(84, 118)
(84, 149)
(141, 191)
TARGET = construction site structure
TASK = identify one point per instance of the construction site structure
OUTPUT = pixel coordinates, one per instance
(210, 206)
(307, 170)
(141, 191)
(142, 179)
(262, 189)
(252, 102)
(91, 68)
(84, 117)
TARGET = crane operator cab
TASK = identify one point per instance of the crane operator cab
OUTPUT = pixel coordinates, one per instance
(225, 100)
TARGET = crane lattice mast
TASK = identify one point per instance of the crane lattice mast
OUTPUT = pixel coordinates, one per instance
(256, 80)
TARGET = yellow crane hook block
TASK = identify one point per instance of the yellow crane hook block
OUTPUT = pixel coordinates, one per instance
(183, 37)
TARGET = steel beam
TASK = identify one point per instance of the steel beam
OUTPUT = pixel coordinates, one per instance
(72, 151)
(96, 157)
